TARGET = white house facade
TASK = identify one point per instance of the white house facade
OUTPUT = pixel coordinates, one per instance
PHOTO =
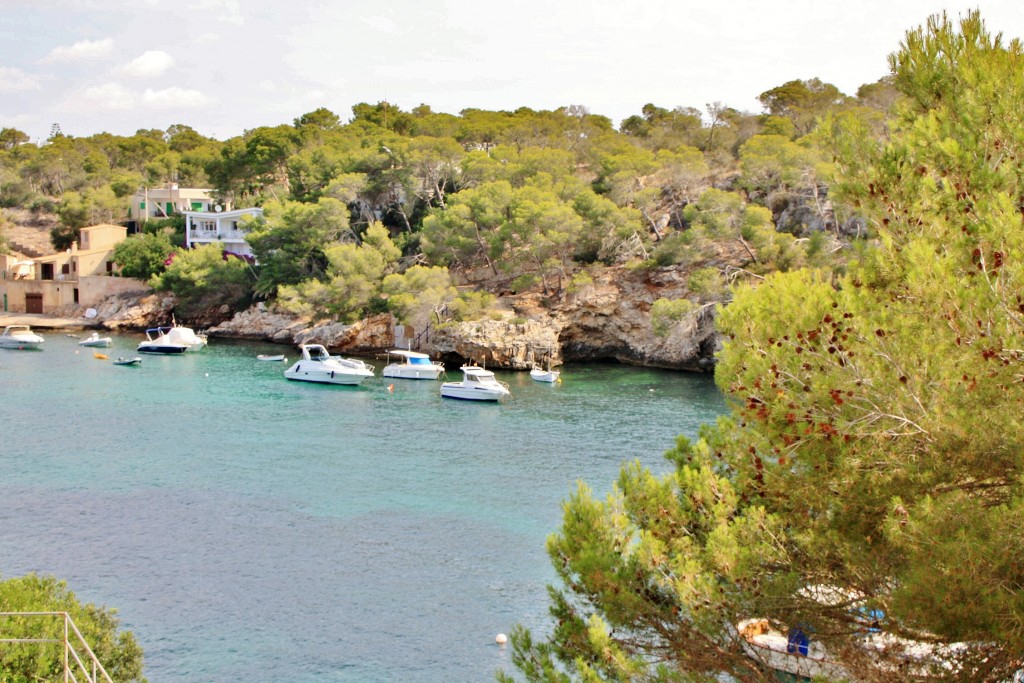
(225, 227)
(163, 202)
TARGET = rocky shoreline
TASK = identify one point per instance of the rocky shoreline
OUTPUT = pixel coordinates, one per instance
(609, 319)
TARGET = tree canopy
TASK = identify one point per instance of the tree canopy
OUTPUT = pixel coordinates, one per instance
(867, 484)
(516, 201)
(116, 649)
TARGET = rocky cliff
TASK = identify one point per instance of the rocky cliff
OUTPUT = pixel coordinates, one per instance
(607, 319)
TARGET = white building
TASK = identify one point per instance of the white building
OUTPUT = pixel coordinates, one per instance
(163, 202)
(226, 227)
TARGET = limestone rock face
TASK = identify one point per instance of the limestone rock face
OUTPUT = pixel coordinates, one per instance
(135, 311)
(366, 336)
(611, 319)
(508, 343)
(260, 322)
(608, 319)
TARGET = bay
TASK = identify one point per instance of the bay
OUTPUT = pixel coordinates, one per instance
(250, 528)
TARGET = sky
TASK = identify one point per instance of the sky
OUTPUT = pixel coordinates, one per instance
(226, 66)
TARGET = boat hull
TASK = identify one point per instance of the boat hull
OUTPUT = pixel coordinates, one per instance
(164, 349)
(96, 342)
(411, 372)
(550, 376)
(20, 344)
(457, 391)
(325, 377)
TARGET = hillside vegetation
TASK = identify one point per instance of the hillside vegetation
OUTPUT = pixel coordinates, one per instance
(425, 214)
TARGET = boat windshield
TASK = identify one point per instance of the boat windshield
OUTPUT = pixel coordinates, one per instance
(419, 361)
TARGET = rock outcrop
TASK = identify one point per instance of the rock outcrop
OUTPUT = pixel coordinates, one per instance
(610, 319)
(261, 322)
(127, 311)
(371, 335)
(607, 319)
(367, 336)
(508, 342)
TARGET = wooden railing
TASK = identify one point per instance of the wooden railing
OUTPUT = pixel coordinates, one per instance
(79, 662)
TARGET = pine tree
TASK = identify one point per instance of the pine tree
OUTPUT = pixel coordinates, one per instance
(867, 483)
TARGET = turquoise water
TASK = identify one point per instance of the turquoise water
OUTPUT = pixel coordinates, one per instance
(251, 528)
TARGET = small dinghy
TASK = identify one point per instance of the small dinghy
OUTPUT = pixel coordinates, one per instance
(128, 361)
(279, 358)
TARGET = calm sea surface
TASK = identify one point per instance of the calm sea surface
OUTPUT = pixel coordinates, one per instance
(248, 528)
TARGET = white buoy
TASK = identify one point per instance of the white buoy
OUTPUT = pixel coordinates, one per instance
(500, 639)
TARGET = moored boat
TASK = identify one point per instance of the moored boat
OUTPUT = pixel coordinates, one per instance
(477, 385)
(171, 340)
(278, 358)
(20, 337)
(541, 375)
(128, 361)
(411, 365)
(317, 365)
(95, 339)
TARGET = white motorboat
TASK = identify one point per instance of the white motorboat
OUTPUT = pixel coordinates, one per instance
(412, 365)
(477, 385)
(317, 365)
(541, 375)
(20, 337)
(171, 340)
(95, 339)
(275, 358)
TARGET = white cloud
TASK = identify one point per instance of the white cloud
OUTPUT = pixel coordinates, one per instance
(175, 98)
(82, 50)
(382, 24)
(16, 80)
(148, 65)
(267, 85)
(228, 11)
(109, 96)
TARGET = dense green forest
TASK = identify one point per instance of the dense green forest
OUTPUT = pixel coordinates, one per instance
(419, 211)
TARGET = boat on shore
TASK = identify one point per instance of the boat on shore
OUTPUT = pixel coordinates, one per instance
(95, 339)
(477, 385)
(20, 337)
(792, 653)
(319, 366)
(411, 365)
